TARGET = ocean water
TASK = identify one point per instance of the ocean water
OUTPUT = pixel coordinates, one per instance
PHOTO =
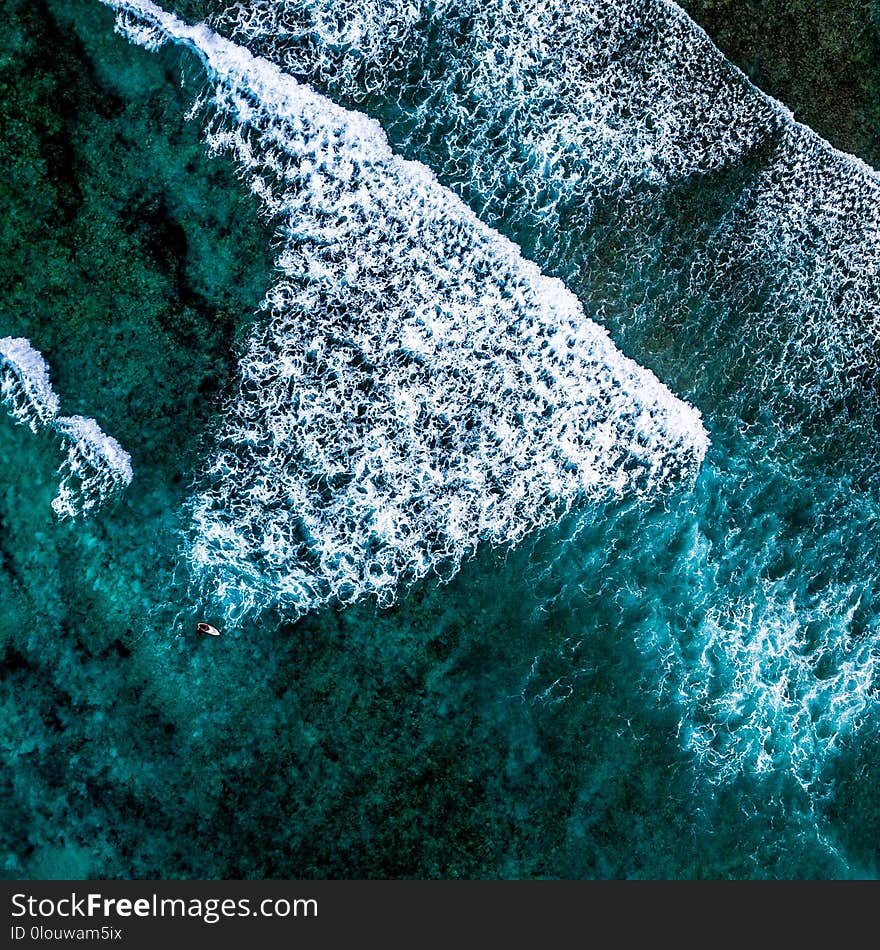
(821, 59)
(500, 379)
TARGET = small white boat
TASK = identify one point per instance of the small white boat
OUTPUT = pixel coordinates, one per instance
(202, 627)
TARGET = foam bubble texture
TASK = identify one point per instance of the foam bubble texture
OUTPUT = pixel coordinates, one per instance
(95, 465)
(25, 389)
(414, 386)
(759, 694)
(539, 111)
(550, 117)
(625, 91)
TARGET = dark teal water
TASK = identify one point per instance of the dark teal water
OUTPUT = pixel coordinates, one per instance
(680, 686)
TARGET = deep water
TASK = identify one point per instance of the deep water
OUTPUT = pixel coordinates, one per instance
(678, 686)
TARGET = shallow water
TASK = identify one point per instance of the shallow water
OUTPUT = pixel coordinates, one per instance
(679, 684)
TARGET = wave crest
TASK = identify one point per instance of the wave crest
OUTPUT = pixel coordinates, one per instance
(414, 386)
(540, 113)
(95, 466)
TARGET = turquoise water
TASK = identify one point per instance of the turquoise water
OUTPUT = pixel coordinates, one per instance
(673, 684)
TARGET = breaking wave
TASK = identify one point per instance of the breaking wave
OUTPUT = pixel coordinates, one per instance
(414, 385)
(541, 113)
(24, 384)
(95, 466)
(715, 234)
(718, 237)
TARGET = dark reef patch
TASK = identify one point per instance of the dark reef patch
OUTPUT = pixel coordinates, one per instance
(820, 57)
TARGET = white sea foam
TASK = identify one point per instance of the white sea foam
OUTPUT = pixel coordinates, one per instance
(540, 112)
(758, 694)
(769, 676)
(627, 89)
(25, 389)
(414, 386)
(95, 466)
(544, 108)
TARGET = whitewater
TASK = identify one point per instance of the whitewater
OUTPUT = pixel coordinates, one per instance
(726, 245)
(413, 386)
(544, 116)
(499, 382)
(95, 467)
